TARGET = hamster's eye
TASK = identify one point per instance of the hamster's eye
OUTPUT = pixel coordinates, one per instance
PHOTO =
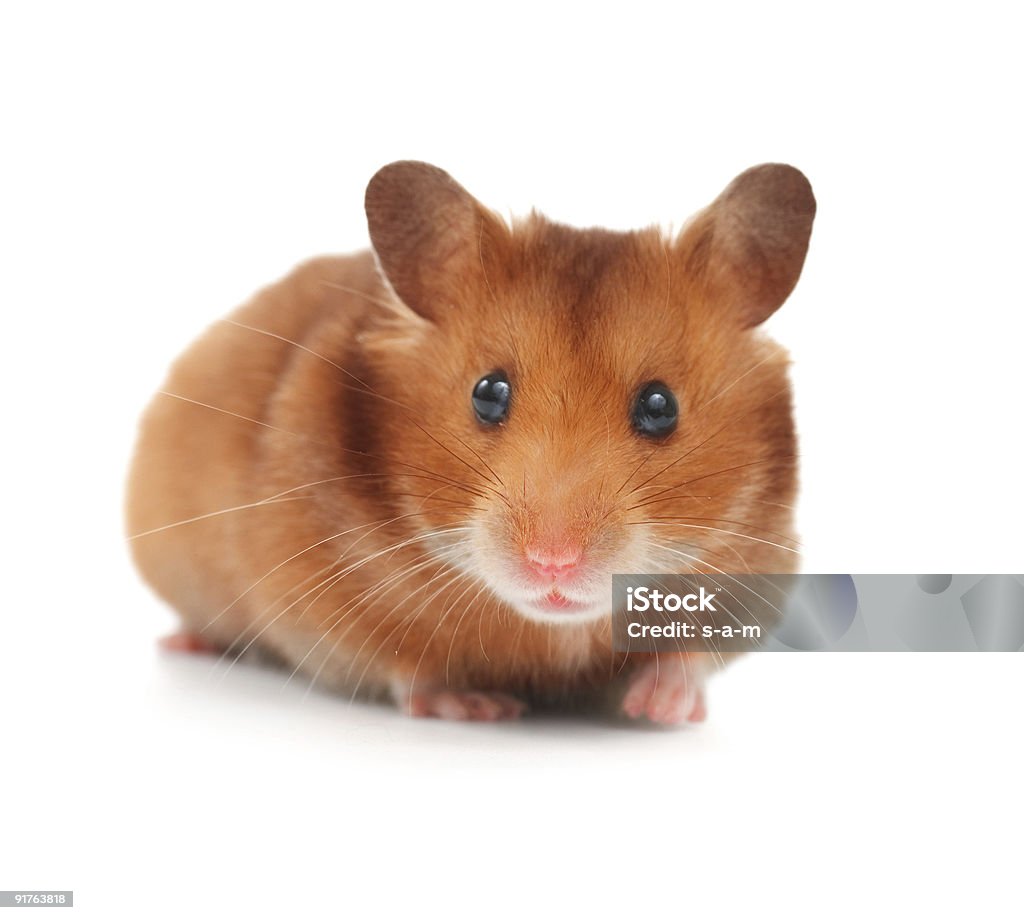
(656, 411)
(490, 397)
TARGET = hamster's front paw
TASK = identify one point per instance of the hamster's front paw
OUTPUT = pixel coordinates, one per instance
(459, 705)
(668, 690)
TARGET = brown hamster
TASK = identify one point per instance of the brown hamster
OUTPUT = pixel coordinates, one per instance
(411, 472)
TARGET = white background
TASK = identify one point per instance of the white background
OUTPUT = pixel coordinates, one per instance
(158, 166)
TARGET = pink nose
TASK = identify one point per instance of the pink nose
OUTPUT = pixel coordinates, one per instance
(553, 563)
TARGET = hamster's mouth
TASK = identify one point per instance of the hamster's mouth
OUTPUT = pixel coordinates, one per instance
(556, 602)
(554, 608)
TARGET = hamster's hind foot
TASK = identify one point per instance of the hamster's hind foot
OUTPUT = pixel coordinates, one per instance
(185, 641)
(667, 690)
(459, 705)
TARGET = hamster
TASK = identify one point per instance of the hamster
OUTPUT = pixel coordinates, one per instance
(411, 472)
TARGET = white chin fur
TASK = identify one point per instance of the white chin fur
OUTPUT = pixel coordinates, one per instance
(560, 617)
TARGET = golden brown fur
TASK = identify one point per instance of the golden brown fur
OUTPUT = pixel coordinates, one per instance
(346, 396)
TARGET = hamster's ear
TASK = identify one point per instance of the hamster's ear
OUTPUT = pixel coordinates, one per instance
(748, 247)
(428, 232)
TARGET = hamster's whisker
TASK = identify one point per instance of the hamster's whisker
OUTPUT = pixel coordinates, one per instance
(733, 533)
(431, 497)
(309, 351)
(392, 579)
(729, 469)
(264, 503)
(734, 596)
(480, 638)
(439, 477)
(411, 617)
(446, 567)
(363, 388)
(391, 307)
(468, 606)
(705, 550)
(447, 483)
(749, 370)
(675, 495)
(336, 536)
(297, 434)
(469, 466)
(671, 519)
(710, 437)
(278, 566)
(333, 579)
(348, 608)
(639, 467)
(322, 579)
(721, 541)
(389, 578)
(232, 653)
(318, 579)
(436, 477)
(367, 390)
(454, 577)
(453, 554)
(466, 487)
(667, 548)
(426, 645)
(244, 418)
(762, 501)
(499, 480)
(392, 549)
(339, 614)
(516, 643)
(273, 499)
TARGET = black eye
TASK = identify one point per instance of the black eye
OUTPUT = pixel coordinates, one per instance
(490, 397)
(656, 411)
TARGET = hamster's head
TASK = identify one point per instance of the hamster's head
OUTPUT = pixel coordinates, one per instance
(568, 404)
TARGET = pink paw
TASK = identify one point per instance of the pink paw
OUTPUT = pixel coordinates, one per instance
(668, 690)
(185, 641)
(460, 705)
